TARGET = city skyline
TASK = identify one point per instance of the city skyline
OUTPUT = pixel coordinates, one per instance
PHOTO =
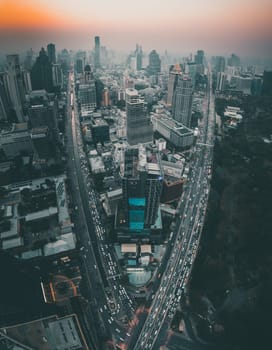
(222, 27)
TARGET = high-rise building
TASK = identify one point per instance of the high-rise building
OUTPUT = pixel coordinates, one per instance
(221, 81)
(267, 83)
(139, 128)
(4, 98)
(15, 85)
(57, 76)
(220, 64)
(26, 81)
(28, 59)
(51, 52)
(256, 87)
(154, 63)
(96, 51)
(79, 65)
(182, 104)
(234, 60)
(87, 97)
(174, 73)
(105, 97)
(43, 112)
(139, 57)
(100, 131)
(3, 112)
(65, 60)
(103, 55)
(88, 74)
(244, 83)
(199, 57)
(41, 73)
(142, 179)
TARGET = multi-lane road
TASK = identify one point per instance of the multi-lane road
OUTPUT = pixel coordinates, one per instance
(185, 240)
(101, 270)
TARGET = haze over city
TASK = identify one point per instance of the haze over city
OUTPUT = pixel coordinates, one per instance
(135, 174)
(178, 26)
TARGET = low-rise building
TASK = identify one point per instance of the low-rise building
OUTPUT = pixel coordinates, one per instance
(175, 133)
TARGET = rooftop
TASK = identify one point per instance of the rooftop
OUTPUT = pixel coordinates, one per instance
(47, 334)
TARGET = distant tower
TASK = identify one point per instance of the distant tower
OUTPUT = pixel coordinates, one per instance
(267, 83)
(96, 51)
(105, 97)
(199, 57)
(221, 81)
(29, 59)
(41, 73)
(139, 57)
(51, 52)
(15, 85)
(154, 63)
(88, 74)
(87, 91)
(234, 60)
(174, 73)
(182, 104)
(57, 76)
(79, 65)
(220, 64)
(3, 102)
(139, 128)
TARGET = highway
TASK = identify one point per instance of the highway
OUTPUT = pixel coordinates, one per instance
(185, 240)
(102, 273)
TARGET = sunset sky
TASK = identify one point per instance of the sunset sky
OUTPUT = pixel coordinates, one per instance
(217, 26)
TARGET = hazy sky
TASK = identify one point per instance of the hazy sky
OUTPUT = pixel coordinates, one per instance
(217, 26)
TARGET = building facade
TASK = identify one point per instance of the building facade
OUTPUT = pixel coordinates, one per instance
(174, 73)
(41, 73)
(15, 85)
(51, 52)
(142, 180)
(139, 128)
(154, 63)
(96, 51)
(182, 104)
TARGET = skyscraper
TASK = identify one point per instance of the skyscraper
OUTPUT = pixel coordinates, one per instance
(220, 64)
(234, 60)
(154, 63)
(182, 104)
(199, 57)
(97, 51)
(88, 74)
(174, 73)
(142, 177)
(79, 65)
(15, 85)
(87, 97)
(139, 128)
(4, 97)
(43, 112)
(221, 81)
(41, 73)
(51, 52)
(141, 184)
(267, 83)
(57, 76)
(139, 57)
